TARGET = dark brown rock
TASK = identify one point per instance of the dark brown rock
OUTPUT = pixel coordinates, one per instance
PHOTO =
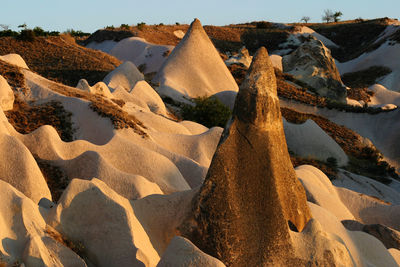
(251, 194)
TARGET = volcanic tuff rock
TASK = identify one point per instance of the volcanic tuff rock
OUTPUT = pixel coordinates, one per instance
(125, 75)
(6, 95)
(251, 195)
(194, 68)
(313, 64)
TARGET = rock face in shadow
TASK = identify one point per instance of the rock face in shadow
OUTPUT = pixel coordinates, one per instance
(251, 194)
(313, 64)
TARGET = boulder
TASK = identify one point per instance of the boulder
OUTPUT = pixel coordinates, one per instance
(313, 64)
(6, 95)
(24, 236)
(15, 59)
(183, 253)
(242, 58)
(19, 169)
(251, 197)
(125, 75)
(104, 223)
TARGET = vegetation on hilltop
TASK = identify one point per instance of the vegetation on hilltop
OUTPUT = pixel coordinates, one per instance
(353, 37)
(61, 59)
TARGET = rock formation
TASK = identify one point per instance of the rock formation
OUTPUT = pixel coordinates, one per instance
(194, 68)
(251, 196)
(313, 64)
(6, 95)
(125, 75)
(242, 58)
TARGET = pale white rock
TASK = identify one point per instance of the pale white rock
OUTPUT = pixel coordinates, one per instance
(194, 68)
(145, 55)
(24, 235)
(83, 85)
(19, 168)
(320, 191)
(312, 244)
(179, 33)
(143, 91)
(367, 186)
(276, 61)
(104, 46)
(91, 213)
(383, 96)
(125, 75)
(313, 64)
(370, 210)
(386, 55)
(242, 58)
(309, 140)
(194, 127)
(15, 59)
(162, 215)
(91, 164)
(183, 253)
(364, 249)
(396, 254)
(102, 89)
(6, 95)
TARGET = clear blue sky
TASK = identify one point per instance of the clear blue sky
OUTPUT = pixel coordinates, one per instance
(90, 15)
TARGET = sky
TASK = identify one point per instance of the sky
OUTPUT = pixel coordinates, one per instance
(90, 15)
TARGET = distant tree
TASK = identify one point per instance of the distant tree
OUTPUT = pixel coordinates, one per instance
(305, 19)
(23, 26)
(39, 31)
(337, 15)
(177, 23)
(328, 15)
(124, 26)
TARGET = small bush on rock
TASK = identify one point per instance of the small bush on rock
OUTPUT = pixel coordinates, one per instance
(208, 111)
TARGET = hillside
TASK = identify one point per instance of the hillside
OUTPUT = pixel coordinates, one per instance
(225, 38)
(61, 59)
(186, 151)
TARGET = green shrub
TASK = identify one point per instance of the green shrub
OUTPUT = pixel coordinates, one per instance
(141, 25)
(27, 35)
(78, 33)
(125, 26)
(39, 31)
(8, 33)
(208, 111)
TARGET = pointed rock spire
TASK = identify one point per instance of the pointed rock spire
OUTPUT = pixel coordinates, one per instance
(194, 68)
(251, 195)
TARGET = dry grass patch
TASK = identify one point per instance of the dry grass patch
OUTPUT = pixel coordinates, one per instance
(102, 106)
(55, 177)
(61, 59)
(328, 169)
(26, 118)
(365, 78)
(363, 160)
(75, 246)
(13, 75)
